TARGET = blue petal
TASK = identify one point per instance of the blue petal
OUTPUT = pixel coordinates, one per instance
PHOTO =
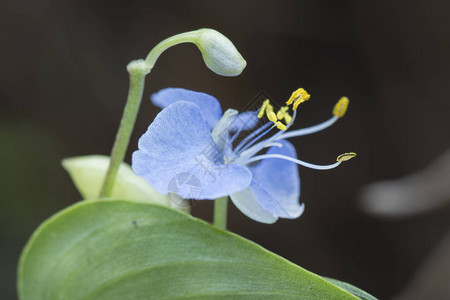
(208, 105)
(281, 180)
(246, 202)
(245, 121)
(177, 151)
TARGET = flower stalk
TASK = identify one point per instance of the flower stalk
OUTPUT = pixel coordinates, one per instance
(220, 213)
(137, 81)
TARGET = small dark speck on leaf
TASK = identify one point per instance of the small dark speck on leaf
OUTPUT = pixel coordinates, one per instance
(135, 223)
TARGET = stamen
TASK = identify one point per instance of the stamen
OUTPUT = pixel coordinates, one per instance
(280, 125)
(261, 145)
(291, 121)
(345, 156)
(263, 108)
(338, 111)
(341, 107)
(251, 136)
(254, 140)
(300, 94)
(279, 145)
(297, 103)
(309, 130)
(287, 118)
(297, 161)
(282, 112)
(272, 116)
(268, 108)
(235, 135)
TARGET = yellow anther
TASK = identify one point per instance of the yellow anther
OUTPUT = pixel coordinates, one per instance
(297, 103)
(280, 125)
(300, 94)
(272, 116)
(341, 107)
(297, 97)
(287, 118)
(261, 112)
(282, 112)
(346, 156)
(263, 108)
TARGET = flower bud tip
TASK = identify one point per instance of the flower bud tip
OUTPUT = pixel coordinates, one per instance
(219, 53)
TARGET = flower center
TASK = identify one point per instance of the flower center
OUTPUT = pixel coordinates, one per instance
(245, 153)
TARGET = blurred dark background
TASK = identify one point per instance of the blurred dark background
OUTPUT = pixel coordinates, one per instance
(63, 84)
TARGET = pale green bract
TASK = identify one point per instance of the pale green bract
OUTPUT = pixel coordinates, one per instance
(116, 249)
(88, 172)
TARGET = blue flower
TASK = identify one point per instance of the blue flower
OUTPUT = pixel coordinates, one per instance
(191, 136)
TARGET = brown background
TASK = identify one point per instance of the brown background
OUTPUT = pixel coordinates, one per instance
(63, 83)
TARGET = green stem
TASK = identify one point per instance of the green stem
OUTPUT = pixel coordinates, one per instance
(220, 213)
(137, 81)
(138, 70)
(186, 37)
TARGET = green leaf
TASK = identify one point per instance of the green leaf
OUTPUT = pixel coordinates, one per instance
(352, 289)
(88, 172)
(115, 249)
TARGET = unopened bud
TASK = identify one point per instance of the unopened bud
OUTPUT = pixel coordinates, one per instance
(219, 53)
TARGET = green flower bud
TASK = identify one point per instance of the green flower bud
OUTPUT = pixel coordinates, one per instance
(219, 53)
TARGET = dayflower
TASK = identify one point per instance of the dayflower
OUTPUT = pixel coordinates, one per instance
(192, 136)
